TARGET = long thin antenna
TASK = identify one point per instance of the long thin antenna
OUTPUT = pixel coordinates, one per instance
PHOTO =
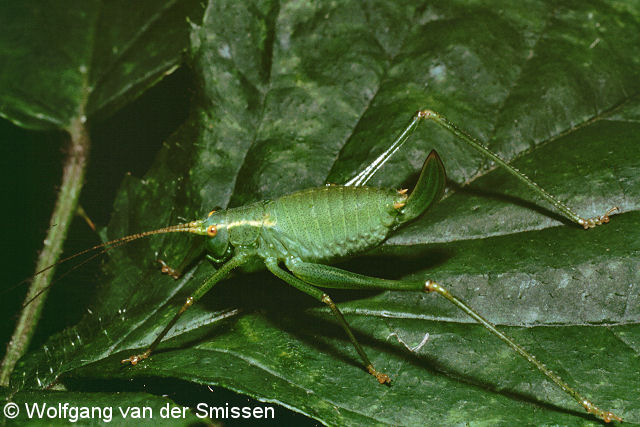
(72, 269)
(188, 227)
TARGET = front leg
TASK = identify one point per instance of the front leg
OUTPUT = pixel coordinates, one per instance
(199, 293)
(194, 252)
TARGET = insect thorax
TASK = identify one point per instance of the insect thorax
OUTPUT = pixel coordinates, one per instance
(245, 223)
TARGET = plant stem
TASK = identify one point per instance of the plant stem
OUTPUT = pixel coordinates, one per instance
(64, 210)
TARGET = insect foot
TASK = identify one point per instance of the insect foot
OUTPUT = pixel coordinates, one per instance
(431, 286)
(382, 378)
(606, 416)
(136, 358)
(166, 269)
(598, 220)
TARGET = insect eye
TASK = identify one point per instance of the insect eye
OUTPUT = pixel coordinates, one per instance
(212, 231)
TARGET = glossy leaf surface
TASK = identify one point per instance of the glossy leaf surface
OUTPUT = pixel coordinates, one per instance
(293, 95)
(69, 60)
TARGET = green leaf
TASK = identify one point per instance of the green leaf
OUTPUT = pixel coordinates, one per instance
(64, 64)
(292, 95)
(77, 59)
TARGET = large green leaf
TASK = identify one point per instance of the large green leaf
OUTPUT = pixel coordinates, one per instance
(61, 61)
(64, 64)
(292, 95)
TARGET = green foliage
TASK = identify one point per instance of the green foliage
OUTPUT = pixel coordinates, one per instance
(291, 95)
(85, 58)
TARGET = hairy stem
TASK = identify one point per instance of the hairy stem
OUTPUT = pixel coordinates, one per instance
(63, 212)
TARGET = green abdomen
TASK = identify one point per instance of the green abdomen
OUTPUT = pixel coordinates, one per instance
(329, 222)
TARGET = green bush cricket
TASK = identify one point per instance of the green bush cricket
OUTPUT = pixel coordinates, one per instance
(308, 229)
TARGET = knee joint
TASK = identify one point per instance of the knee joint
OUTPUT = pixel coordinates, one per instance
(188, 303)
(422, 114)
(431, 286)
(327, 300)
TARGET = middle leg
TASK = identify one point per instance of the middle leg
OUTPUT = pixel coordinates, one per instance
(272, 265)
